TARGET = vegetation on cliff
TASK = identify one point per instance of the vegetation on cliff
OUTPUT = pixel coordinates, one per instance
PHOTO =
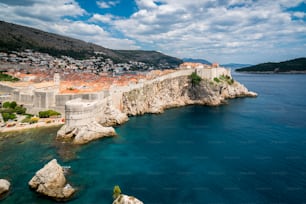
(116, 192)
(295, 65)
(224, 78)
(195, 79)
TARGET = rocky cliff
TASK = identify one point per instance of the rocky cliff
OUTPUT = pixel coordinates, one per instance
(179, 91)
(150, 97)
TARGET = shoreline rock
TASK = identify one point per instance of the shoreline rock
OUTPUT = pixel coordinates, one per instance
(4, 187)
(153, 97)
(51, 182)
(178, 92)
(124, 199)
(84, 134)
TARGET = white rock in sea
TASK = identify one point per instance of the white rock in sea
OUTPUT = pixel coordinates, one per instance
(85, 134)
(125, 199)
(4, 186)
(50, 181)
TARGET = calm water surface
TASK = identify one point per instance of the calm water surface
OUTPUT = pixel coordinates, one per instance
(251, 150)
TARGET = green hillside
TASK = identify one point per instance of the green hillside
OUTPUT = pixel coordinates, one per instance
(295, 65)
(16, 38)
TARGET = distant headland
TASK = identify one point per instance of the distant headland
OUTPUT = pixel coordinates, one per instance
(291, 66)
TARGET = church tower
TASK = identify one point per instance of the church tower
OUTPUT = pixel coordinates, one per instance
(57, 79)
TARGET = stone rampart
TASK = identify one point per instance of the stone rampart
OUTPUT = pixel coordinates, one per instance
(80, 112)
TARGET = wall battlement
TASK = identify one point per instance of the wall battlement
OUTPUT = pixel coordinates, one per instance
(40, 98)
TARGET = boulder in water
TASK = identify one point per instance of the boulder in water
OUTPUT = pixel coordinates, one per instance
(125, 199)
(50, 181)
(4, 186)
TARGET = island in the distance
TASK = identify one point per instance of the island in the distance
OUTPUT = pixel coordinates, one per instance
(291, 66)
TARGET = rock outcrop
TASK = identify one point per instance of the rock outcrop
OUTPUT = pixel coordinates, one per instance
(4, 186)
(50, 181)
(112, 116)
(85, 120)
(84, 134)
(179, 91)
(125, 199)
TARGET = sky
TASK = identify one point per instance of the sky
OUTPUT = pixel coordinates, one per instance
(224, 31)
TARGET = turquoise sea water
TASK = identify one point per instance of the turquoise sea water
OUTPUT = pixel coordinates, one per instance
(251, 150)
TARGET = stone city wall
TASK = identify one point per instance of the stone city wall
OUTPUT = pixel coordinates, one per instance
(36, 100)
(80, 112)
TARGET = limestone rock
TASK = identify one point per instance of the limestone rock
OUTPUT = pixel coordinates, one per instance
(113, 116)
(125, 199)
(50, 181)
(4, 186)
(178, 91)
(85, 134)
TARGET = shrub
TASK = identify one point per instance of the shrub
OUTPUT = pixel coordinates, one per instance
(6, 104)
(34, 120)
(26, 119)
(20, 110)
(8, 116)
(13, 104)
(195, 79)
(48, 113)
(216, 80)
(116, 192)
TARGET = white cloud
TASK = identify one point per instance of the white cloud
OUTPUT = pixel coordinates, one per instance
(299, 14)
(107, 4)
(235, 30)
(217, 29)
(55, 16)
(107, 18)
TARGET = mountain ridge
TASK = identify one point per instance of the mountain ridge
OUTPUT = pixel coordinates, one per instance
(15, 37)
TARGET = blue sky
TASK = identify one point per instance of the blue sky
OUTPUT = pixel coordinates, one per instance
(243, 31)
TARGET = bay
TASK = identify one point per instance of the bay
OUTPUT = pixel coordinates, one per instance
(251, 150)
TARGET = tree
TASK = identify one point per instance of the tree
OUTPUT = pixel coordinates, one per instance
(195, 79)
(8, 116)
(6, 104)
(13, 104)
(20, 110)
(116, 192)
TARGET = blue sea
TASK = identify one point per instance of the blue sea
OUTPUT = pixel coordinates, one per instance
(251, 150)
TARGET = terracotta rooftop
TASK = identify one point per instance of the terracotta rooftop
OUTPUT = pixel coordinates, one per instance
(86, 82)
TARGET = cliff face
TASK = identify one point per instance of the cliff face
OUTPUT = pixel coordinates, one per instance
(179, 91)
(152, 97)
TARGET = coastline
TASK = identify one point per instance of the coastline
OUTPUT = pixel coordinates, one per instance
(271, 72)
(21, 127)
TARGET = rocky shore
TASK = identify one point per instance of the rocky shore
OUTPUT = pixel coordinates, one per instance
(84, 134)
(178, 92)
(152, 97)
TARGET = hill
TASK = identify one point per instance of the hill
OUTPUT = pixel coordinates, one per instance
(203, 61)
(295, 65)
(16, 38)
